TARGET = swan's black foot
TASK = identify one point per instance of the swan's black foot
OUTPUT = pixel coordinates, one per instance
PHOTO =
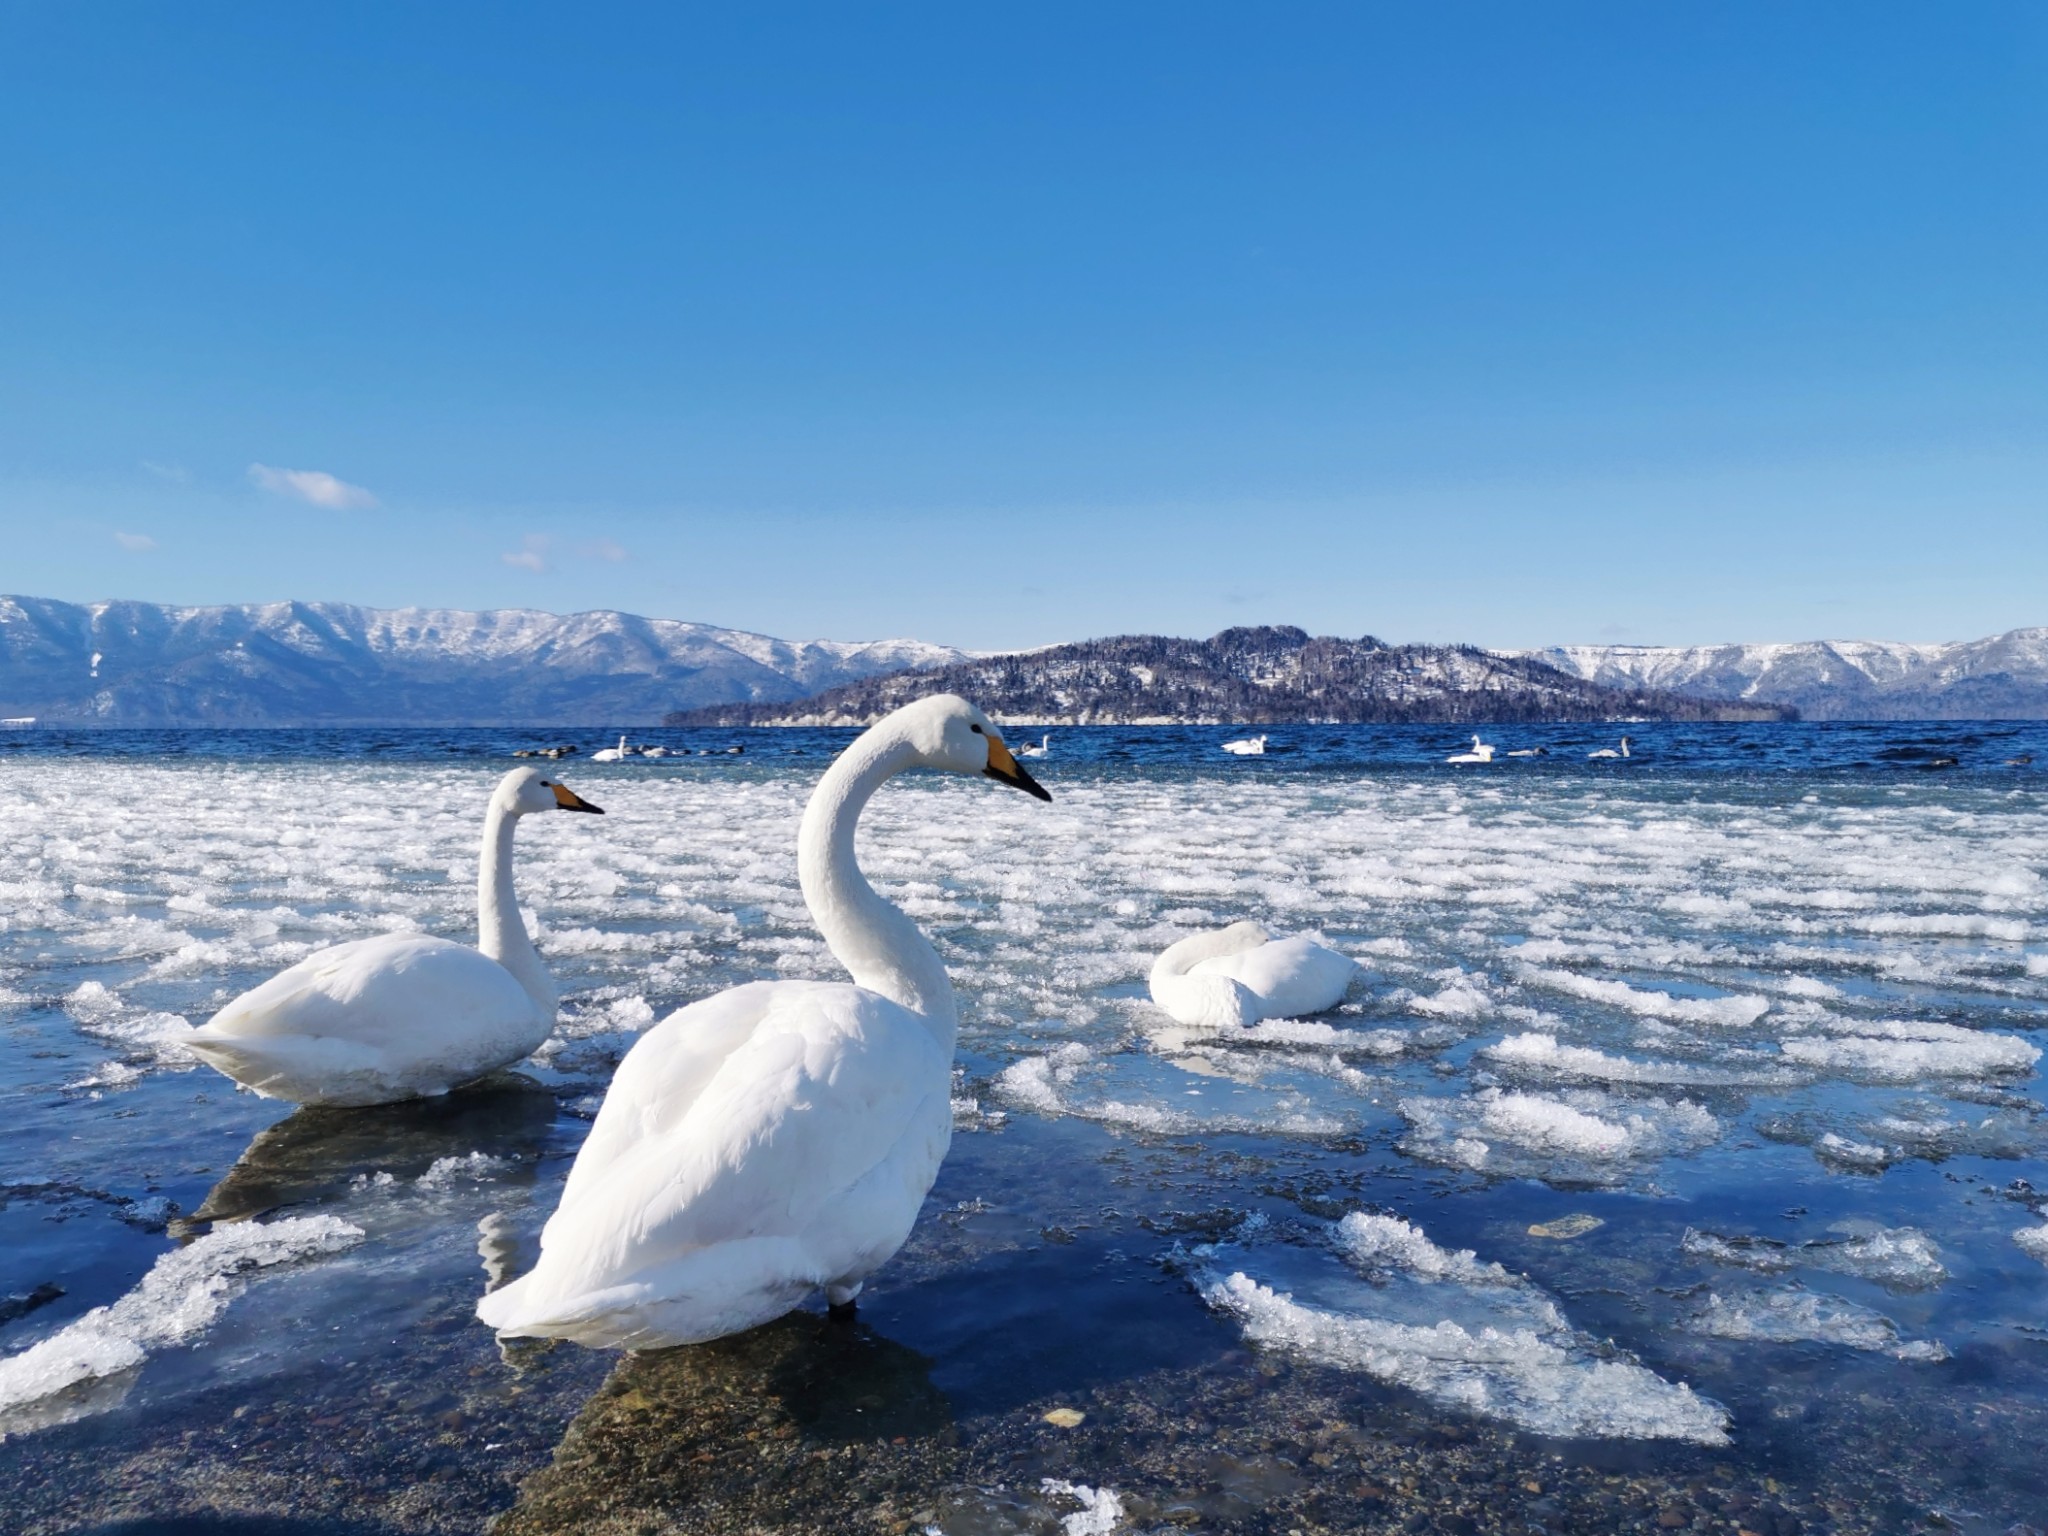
(842, 1311)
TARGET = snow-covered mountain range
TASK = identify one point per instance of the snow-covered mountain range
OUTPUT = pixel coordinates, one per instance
(1270, 674)
(2002, 677)
(147, 664)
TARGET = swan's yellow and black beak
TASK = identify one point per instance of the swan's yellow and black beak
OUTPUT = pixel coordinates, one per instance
(1002, 767)
(566, 799)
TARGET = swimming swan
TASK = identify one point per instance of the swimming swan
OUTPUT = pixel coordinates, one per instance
(1044, 746)
(402, 1015)
(1238, 975)
(1251, 746)
(1610, 752)
(616, 754)
(1482, 752)
(782, 1135)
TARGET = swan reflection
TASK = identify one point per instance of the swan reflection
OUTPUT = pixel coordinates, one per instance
(313, 1154)
(804, 1423)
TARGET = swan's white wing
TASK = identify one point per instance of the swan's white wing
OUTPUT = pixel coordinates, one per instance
(753, 1146)
(382, 1018)
(1291, 977)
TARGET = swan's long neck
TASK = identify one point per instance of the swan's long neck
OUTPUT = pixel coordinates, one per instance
(500, 930)
(879, 946)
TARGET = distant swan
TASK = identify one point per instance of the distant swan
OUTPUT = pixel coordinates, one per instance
(1237, 975)
(1610, 752)
(402, 1015)
(613, 754)
(1482, 752)
(1530, 752)
(1044, 746)
(780, 1136)
(1251, 746)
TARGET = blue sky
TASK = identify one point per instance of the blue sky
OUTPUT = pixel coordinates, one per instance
(1505, 323)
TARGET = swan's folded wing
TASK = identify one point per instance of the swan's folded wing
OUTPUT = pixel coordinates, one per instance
(1292, 976)
(782, 1102)
(659, 1080)
(378, 993)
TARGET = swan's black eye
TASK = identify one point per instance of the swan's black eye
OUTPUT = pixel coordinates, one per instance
(975, 728)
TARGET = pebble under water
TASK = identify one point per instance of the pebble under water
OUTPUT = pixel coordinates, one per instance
(1679, 1163)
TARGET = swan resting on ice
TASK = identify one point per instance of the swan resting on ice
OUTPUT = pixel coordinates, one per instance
(1239, 975)
(1251, 746)
(781, 1136)
(402, 1015)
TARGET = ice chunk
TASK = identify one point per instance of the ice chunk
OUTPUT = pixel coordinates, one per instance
(175, 1302)
(447, 1172)
(1792, 1314)
(1494, 1344)
(1051, 1084)
(1727, 1011)
(1100, 1512)
(1896, 1052)
(2034, 1240)
(1542, 1052)
(1580, 1136)
(1899, 1258)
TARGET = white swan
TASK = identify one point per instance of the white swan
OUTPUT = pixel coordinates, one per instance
(1044, 746)
(1610, 752)
(403, 1015)
(782, 1135)
(612, 754)
(1482, 752)
(1251, 746)
(1238, 975)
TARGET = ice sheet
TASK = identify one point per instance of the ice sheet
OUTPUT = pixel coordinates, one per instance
(176, 1302)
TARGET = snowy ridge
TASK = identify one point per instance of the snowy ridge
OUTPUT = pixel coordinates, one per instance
(1265, 674)
(295, 663)
(1999, 677)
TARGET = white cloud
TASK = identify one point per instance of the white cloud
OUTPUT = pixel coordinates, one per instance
(314, 485)
(605, 549)
(135, 543)
(532, 557)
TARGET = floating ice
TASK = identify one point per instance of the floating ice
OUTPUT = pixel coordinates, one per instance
(1896, 1052)
(1052, 1085)
(1793, 1315)
(176, 1301)
(1493, 1343)
(2034, 1240)
(1899, 1258)
(1579, 1136)
(1100, 1512)
(447, 1172)
(1728, 1011)
(1542, 1051)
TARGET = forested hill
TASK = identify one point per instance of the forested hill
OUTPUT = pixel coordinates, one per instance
(1266, 675)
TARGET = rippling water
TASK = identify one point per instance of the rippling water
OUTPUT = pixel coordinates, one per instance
(1678, 1145)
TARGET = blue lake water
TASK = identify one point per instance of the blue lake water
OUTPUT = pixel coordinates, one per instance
(1679, 1145)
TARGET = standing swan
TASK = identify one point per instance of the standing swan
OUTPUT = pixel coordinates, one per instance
(1237, 975)
(782, 1135)
(403, 1015)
